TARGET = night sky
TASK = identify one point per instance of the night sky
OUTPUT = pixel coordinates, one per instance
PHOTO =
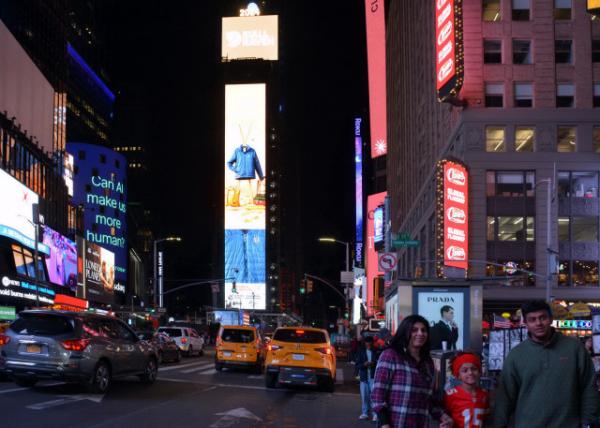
(165, 64)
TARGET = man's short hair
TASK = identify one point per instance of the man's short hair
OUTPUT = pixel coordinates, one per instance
(446, 308)
(535, 306)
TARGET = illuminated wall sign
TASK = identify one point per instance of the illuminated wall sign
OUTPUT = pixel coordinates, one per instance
(68, 172)
(100, 186)
(378, 220)
(373, 201)
(250, 37)
(62, 260)
(8, 313)
(448, 48)
(573, 324)
(251, 10)
(375, 24)
(453, 213)
(244, 165)
(358, 190)
(18, 289)
(16, 215)
(96, 272)
(161, 266)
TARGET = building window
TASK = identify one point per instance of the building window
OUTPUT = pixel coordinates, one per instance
(562, 9)
(510, 183)
(523, 95)
(494, 139)
(584, 229)
(522, 52)
(563, 51)
(596, 50)
(491, 10)
(563, 229)
(492, 52)
(524, 138)
(578, 184)
(509, 228)
(564, 273)
(520, 10)
(596, 139)
(596, 95)
(23, 259)
(494, 94)
(565, 95)
(567, 139)
(585, 273)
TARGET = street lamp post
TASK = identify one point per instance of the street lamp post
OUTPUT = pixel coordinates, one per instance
(347, 285)
(154, 276)
(549, 184)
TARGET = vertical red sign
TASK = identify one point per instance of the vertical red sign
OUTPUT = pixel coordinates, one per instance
(372, 266)
(456, 215)
(375, 16)
(445, 50)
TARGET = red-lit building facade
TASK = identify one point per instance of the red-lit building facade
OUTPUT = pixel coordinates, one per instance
(526, 117)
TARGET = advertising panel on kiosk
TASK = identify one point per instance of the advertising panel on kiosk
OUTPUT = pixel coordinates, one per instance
(62, 260)
(250, 37)
(245, 199)
(448, 48)
(375, 26)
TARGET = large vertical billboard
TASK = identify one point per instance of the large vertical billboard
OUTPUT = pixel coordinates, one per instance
(245, 201)
(358, 191)
(62, 260)
(16, 212)
(453, 213)
(96, 272)
(448, 48)
(375, 24)
(373, 201)
(250, 37)
(100, 181)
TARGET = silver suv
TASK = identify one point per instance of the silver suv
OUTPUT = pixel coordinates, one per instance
(75, 347)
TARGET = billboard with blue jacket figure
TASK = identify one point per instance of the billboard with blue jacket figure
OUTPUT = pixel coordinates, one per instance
(245, 201)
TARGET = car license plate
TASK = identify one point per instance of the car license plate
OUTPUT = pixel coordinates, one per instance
(227, 354)
(33, 349)
(298, 357)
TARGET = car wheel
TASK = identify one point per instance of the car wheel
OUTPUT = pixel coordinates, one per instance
(178, 356)
(201, 352)
(101, 379)
(25, 382)
(218, 367)
(150, 372)
(328, 385)
(271, 380)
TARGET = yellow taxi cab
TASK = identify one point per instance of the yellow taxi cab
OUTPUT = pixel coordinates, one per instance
(239, 346)
(300, 356)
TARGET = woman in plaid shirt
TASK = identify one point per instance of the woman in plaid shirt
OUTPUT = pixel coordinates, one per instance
(402, 393)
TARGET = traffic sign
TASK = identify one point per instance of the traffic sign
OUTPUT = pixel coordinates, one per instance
(388, 261)
(398, 243)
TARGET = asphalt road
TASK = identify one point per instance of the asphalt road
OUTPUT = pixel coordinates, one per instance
(188, 394)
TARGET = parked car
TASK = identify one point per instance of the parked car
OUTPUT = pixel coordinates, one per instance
(301, 356)
(166, 347)
(74, 346)
(239, 346)
(188, 340)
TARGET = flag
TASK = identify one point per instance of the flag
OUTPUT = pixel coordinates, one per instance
(501, 322)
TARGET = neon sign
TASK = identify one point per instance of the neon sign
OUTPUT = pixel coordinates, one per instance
(448, 48)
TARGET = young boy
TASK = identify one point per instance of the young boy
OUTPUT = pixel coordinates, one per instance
(467, 403)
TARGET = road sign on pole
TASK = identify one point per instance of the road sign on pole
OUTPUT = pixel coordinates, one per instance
(388, 261)
(397, 243)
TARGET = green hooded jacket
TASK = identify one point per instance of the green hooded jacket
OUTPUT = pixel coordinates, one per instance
(547, 386)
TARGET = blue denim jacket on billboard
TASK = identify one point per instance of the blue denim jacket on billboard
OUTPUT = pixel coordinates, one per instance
(245, 163)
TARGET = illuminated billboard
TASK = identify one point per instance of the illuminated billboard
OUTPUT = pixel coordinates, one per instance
(375, 24)
(62, 260)
(453, 213)
(245, 201)
(448, 48)
(372, 267)
(16, 214)
(100, 186)
(358, 191)
(248, 37)
(96, 279)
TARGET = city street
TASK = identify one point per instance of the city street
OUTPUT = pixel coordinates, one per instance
(188, 394)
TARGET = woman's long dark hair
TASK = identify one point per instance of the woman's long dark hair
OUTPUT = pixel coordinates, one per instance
(401, 339)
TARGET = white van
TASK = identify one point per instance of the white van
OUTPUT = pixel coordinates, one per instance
(188, 340)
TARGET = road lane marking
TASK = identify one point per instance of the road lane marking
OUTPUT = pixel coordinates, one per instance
(180, 366)
(233, 416)
(208, 372)
(197, 369)
(6, 391)
(42, 385)
(66, 399)
(255, 377)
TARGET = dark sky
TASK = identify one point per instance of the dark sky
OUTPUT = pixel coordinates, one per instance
(166, 65)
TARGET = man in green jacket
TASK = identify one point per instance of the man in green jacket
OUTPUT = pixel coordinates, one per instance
(548, 380)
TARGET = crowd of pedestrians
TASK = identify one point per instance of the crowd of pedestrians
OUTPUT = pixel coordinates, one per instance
(547, 381)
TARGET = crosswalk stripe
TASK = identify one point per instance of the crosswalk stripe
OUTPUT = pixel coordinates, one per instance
(208, 372)
(180, 366)
(197, 369)
(339, 377)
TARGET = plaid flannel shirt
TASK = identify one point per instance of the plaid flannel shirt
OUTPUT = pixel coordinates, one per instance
(403, 391)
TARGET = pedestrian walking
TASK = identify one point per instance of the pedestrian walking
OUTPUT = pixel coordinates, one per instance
(467, 403)
(366, 361)
(548, 380)
(403, 388)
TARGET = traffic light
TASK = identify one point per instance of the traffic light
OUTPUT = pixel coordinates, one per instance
(302, 286)
(309, 285)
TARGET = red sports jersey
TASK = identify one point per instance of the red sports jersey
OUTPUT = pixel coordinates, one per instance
(467, 411)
